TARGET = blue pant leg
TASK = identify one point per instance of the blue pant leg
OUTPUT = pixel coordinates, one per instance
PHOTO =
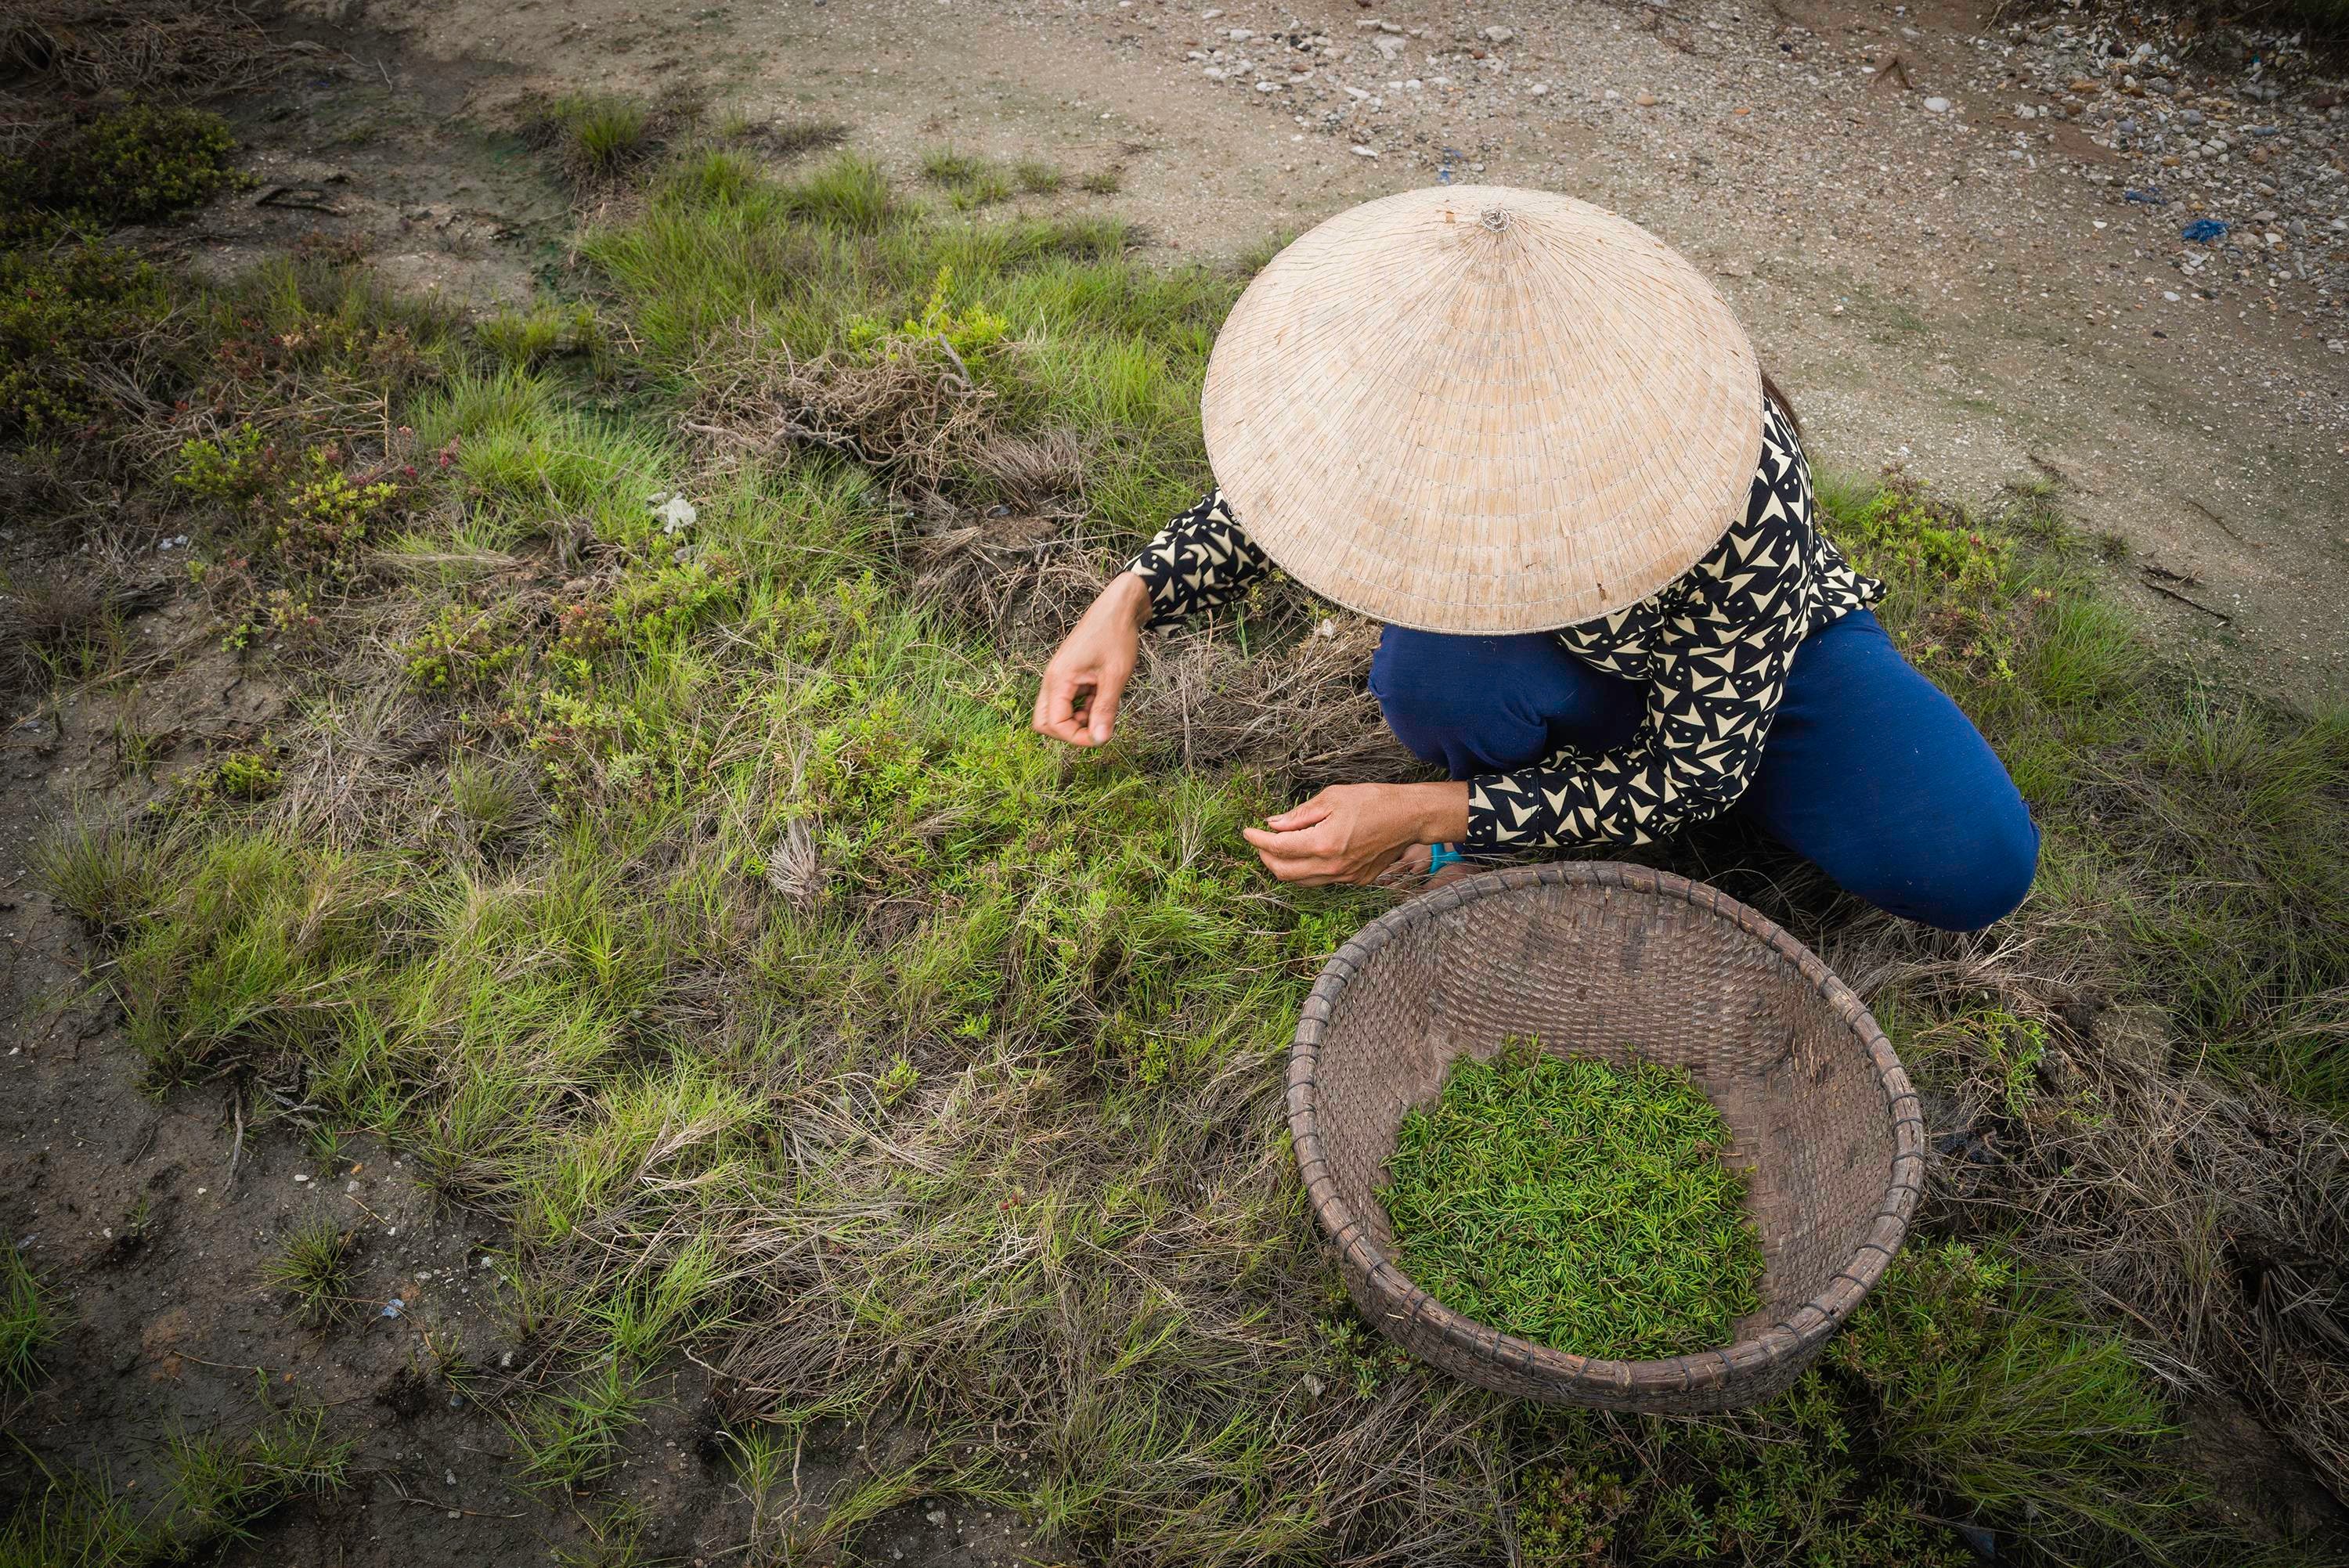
(1475, 705)
(1874, 774)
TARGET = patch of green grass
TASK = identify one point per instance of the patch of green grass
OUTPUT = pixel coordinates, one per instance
(572, 1438)
(2199, 823)
(1103, 182)
(2001, 1392)
(598, 137)
(969, 180)
(313, 1267)
(1036, 177)
(224, 1485)
(29, 1321)
(1575, 1205)
(221, 1485)
(106, 870)
(526, 339)
(848, 193)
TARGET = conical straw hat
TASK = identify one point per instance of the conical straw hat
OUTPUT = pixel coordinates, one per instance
(1472, 409)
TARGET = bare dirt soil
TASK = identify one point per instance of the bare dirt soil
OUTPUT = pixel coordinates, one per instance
(1964, 289)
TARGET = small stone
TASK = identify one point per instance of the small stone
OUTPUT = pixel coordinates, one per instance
(1646, 100)
(1239, 35)
(1937, 105)
(1500, 34)
(1365, 152)
(938, 1518)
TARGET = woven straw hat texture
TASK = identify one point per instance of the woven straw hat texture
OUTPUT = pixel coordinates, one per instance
(1593, 958)
(1473, 408)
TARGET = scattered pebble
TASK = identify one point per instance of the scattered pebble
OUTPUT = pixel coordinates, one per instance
(1937, 105)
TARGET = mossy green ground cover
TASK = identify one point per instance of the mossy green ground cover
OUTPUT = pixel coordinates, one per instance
(691, 897)
(1575, 1205)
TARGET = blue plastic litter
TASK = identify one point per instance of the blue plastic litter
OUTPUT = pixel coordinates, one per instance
(394, 1308)
(2202, 231)
(2149, 198)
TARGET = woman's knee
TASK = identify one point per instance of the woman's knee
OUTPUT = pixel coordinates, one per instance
(1974, 878)
(1482, 704)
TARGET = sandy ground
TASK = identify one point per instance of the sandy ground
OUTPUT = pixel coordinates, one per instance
(1961, 289)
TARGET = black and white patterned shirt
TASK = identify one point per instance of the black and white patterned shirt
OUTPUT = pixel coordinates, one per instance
(1713, 648)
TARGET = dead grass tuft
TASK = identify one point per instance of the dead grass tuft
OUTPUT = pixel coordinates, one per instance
(907, 408)
(1303, 711)
(170, 50)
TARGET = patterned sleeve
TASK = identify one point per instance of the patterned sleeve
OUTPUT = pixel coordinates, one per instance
(1718, 664)
(1199, 562)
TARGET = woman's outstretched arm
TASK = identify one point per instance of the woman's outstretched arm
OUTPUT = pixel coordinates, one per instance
(1199, 561)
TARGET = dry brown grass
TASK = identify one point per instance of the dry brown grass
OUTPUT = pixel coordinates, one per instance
(909, 409)
(143, 49)
(2210, 1212)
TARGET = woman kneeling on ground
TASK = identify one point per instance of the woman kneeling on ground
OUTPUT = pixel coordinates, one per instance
(1523, 433)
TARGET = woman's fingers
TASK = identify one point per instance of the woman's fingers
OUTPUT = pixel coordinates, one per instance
(1100, 713)
(1056, 708)
(1314, 811)
(1303, 855)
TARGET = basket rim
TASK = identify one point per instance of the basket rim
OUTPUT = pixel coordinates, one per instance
(1797, 1333)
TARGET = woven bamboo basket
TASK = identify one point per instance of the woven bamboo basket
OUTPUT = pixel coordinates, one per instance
(1613, 961)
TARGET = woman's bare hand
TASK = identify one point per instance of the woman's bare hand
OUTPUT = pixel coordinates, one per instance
(1086, 679)
(1351, 832)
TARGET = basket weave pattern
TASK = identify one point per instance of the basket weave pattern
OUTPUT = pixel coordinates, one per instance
(1614, 960)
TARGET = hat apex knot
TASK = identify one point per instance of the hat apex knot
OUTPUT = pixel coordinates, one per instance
(1496, 219)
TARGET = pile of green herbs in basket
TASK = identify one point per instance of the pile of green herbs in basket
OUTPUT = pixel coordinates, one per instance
(1580, 1205)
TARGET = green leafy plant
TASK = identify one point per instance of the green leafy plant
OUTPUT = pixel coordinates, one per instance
(1576, 1204)
(306, 510)
(971, 331)
(127, 166)
(243, 776)
(69, 315)
(460, 650)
